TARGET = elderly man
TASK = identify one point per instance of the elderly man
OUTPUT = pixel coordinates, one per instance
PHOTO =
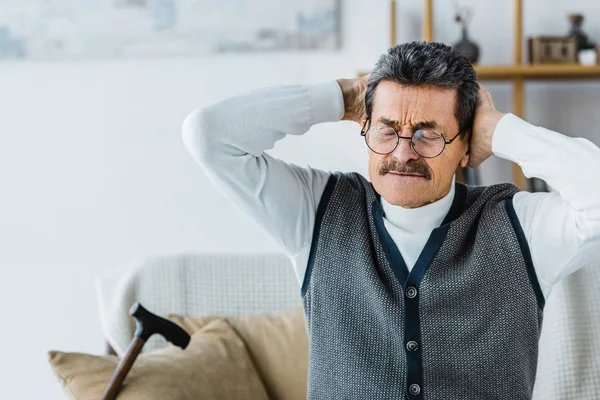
(414, 286)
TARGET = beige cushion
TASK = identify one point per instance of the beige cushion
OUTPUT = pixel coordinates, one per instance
(278, 345)
(193, 324)
(215, 366)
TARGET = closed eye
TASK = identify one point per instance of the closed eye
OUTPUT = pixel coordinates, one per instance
(428, 135)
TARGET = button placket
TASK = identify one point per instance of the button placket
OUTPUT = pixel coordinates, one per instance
(412, 346)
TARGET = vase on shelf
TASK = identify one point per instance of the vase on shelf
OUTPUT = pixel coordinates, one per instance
(587, 53)
(467, 47)
(576, 31)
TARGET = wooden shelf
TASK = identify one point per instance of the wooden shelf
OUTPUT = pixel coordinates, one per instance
(537, 72)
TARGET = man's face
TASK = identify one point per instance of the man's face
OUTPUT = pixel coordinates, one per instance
(408, 109)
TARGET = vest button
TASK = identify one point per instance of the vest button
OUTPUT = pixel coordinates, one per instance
(412, 345)
(411, 292)
(414, 389)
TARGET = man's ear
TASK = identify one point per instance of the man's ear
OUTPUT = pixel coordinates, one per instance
(363, 124)
(464, 161)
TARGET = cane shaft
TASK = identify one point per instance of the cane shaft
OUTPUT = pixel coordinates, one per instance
(123, 368)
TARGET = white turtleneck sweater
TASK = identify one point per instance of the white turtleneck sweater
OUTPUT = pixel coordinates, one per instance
(229, 138)
(411, 227)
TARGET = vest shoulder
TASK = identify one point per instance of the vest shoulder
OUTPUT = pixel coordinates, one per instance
(500, 189)
(352, 181)
(489, 195)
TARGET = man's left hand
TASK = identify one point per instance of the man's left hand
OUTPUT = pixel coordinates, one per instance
(484, 124)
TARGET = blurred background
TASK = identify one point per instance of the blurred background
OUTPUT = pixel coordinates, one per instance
(93, 171)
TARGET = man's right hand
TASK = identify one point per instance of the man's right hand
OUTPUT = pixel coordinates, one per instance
(353, 91)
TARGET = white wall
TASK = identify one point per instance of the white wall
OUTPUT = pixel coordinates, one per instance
(94, 175)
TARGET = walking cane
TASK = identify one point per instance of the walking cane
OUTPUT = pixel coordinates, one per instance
(147, 325)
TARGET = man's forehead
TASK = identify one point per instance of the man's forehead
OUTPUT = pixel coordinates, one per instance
(423, 107)
(424, 90)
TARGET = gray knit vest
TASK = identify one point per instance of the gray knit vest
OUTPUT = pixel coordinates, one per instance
(463, 324)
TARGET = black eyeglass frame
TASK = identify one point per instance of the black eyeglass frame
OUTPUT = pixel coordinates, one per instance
(363, 133)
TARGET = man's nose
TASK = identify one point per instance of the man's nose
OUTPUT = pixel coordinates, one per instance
(404, 152)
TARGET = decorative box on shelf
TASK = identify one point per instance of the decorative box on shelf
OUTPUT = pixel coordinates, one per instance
(553, 50)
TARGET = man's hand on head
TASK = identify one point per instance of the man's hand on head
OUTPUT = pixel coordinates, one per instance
(484, 125)
(353, 91)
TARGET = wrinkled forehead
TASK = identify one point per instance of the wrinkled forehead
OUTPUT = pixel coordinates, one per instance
(422, 107)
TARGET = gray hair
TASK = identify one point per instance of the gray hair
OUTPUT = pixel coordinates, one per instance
(428, 64)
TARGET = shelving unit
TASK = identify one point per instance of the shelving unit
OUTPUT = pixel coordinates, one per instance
(537, 72)
(518, 73)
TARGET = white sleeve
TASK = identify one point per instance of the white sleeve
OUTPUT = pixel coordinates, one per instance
(229, 138)
(562, 228)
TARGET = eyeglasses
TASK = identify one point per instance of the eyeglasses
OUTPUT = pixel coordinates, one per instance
(385, 139)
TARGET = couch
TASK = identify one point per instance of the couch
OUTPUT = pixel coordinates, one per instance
(257, 297)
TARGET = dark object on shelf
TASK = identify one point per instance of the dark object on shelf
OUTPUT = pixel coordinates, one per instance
(471, 176)
(552, 50)
(467, 47)
(535, 185)
(468, 176)
(583, 42)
